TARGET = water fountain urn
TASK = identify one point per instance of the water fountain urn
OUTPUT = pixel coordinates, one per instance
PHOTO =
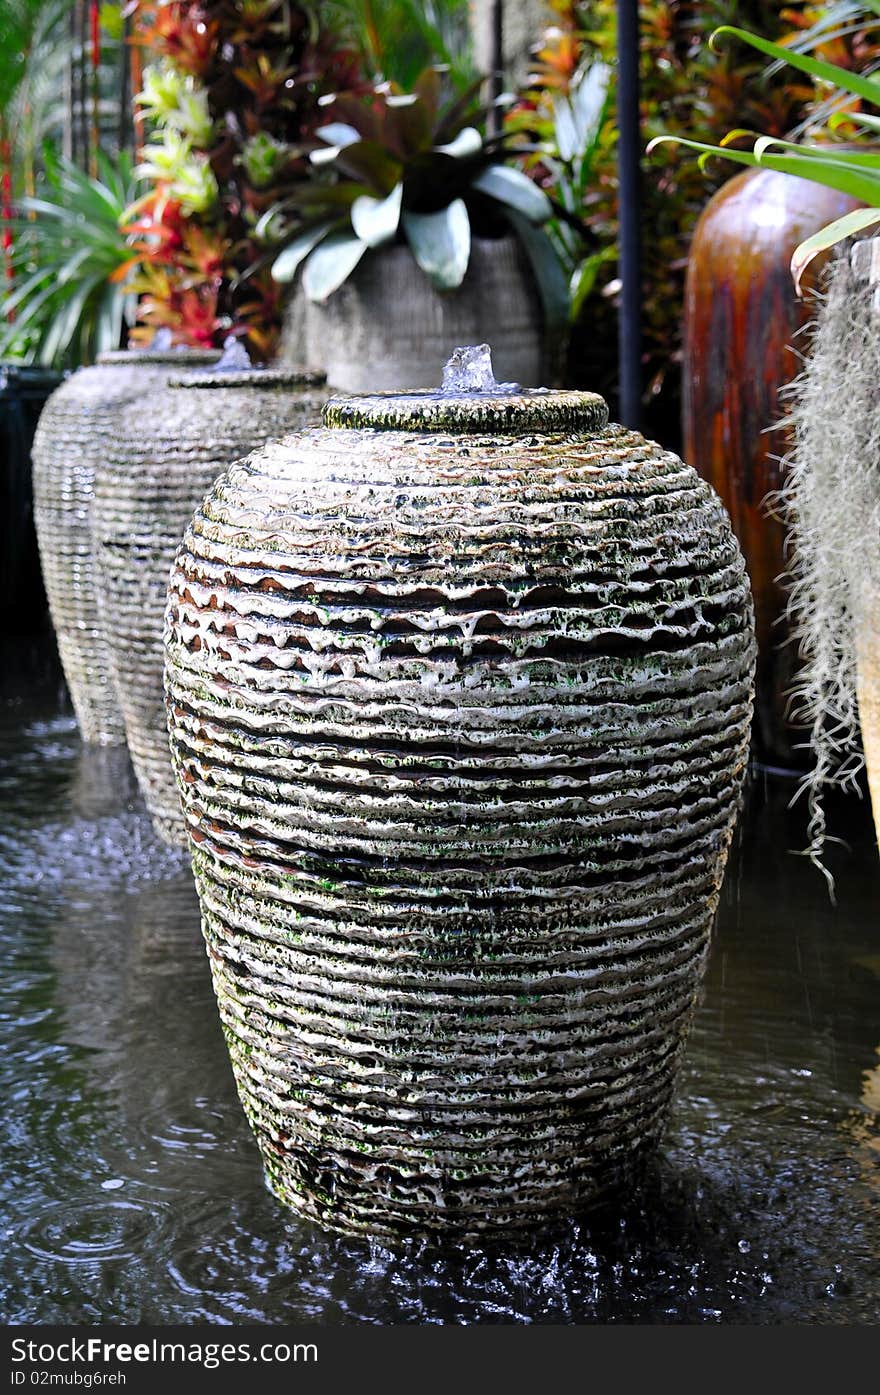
(76, 425)
(150, 480)
(459, 689)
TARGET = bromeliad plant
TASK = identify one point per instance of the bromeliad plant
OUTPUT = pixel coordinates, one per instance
(684, 88)
(397, 39)
(231, 98)
(851, 170)
(410, 168)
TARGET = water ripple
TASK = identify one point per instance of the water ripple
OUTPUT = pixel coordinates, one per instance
(92, 1232)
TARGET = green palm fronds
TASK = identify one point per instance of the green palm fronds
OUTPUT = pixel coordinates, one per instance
(70, 261)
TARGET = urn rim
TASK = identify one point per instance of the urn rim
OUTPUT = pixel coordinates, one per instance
(287, 377)
(163, 357)
(541, 410)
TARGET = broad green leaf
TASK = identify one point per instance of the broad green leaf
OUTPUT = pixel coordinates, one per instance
(340, 195)
(428, 87)
(860, 184)
(353, 111)
(467, 142)
(286, 264)
(565, 129)
(583, 280)
(331, 263)
(370, 162)
(516, 190)
(549, 274)
(460, 110)
(858, 118)
(816, 67)
(408, 128)
(441, 243)
(847, 226)
(865, 159)
(590, 101)
(338, 133)
(376, 220)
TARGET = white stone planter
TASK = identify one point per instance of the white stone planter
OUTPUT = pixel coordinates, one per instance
(387, 328)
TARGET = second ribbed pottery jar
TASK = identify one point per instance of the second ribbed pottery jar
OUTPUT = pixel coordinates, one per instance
(151, 478)
(75, 427)
(459, 692)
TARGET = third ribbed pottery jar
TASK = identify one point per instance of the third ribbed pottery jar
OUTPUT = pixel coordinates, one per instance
(152, 476)
(459, 691)
(78, 421)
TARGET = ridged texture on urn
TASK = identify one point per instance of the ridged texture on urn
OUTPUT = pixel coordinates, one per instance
(76, 427)
(460, 725)
(153, 475)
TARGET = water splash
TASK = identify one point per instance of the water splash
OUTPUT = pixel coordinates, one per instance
(235, 357)
(162, 341)
(469, 369)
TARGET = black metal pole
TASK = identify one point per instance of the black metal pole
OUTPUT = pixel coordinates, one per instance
(629, 161)
(496, 64)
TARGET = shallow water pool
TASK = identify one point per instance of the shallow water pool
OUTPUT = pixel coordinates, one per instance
(131, 1189)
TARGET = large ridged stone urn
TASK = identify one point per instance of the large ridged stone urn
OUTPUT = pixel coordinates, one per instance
(77, 424)
(151, 478)
(459, 691)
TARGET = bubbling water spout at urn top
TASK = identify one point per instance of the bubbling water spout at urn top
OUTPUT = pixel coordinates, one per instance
(469, 369)
(162, 342)
(235, 357)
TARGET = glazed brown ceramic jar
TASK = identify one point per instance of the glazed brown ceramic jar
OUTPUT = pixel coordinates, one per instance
(743, 343)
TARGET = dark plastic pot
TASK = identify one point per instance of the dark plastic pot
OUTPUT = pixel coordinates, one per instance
(23, 393)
